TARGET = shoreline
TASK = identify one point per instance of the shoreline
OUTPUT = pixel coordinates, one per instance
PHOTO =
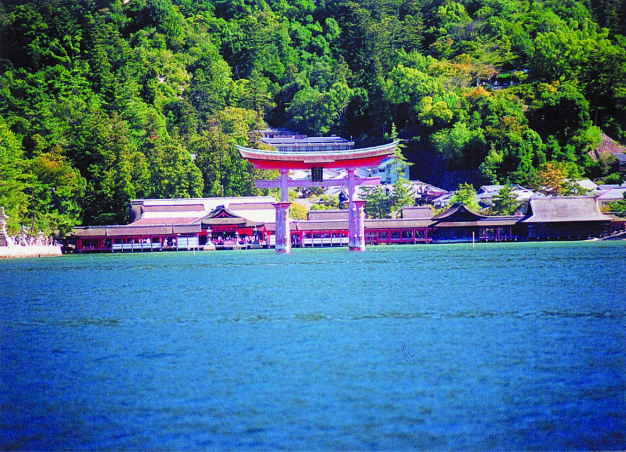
(17, 252)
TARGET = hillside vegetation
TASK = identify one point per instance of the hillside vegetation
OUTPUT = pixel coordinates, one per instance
(104, 101)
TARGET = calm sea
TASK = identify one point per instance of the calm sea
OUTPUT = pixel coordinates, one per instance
(501, 346)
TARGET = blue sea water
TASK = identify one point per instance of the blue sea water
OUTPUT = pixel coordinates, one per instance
(498, 346)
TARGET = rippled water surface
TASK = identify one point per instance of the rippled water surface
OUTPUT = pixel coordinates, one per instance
(516, 346)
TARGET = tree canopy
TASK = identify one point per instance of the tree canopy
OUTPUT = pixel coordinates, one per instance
(105, 101)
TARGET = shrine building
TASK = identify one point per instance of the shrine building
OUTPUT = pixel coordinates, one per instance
(249, 222)
(262, 222)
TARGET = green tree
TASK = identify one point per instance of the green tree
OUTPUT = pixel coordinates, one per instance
(223, 170)
(466, 195)
(618, 207)
(317, 112)
(173, 172)
(325, 202)
(14, 178)
(402, 196)
(558, 179)
(54, 193)
(298, 211)
(377, 202)
(125, 92)
(505, 202)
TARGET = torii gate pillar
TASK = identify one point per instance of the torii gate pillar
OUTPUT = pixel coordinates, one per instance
(283, 233)
(356, 227)
(356, 222)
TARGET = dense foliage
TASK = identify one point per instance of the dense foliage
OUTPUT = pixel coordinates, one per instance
(618, 207)
(103, 101)
(466, 195)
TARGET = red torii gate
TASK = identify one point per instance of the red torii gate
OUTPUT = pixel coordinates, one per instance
(316, 161)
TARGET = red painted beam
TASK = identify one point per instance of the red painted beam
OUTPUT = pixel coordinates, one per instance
(348, 163)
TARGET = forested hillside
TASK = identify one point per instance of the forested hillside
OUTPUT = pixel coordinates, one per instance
(104, 101)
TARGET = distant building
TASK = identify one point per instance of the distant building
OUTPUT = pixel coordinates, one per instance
(286, 141)
(564, 218)
(621, 160)
(605, 197)
(249, 222)
(279, 133)
(487, 193)
(180, 223)
(389, 171)
(587, 185)
(442, 200)
(460, 224)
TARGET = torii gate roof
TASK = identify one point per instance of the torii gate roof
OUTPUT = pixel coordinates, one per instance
(353, 158)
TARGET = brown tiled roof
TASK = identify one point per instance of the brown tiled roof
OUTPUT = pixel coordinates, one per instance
(250, 205)
(116, 231)
(229, 220)
(220, 210)
(174, 208)
(396, 223)
(457, 209)
(186, 228)
(485, 223)
(334, 214)
(162, 221)
(138, 230)
(459, 216)
(89, 232)
(308, 225)
(559, 209)
(417, 213)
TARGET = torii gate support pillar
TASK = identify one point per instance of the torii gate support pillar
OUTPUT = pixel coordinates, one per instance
(283, 234)
(356, 226)
(356, 221)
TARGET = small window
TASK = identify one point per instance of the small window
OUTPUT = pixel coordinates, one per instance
(317, 174)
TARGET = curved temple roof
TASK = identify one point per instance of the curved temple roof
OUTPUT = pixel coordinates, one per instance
(352, 158)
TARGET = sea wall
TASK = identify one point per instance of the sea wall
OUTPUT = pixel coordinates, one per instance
(7, 252)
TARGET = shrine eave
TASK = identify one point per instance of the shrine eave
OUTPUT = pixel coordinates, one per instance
(353, 158)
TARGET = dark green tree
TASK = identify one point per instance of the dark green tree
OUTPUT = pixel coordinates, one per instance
(466, 195)
(505, 202)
